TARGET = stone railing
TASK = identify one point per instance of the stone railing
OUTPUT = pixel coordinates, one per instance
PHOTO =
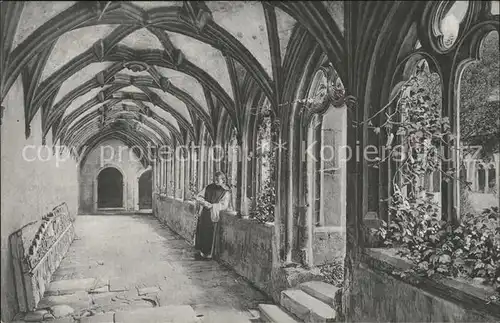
(37, 250)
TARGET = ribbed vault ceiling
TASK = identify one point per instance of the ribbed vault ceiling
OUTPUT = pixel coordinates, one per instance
(144, 72)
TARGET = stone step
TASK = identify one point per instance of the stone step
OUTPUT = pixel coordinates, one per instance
(325, 292)
(306, 307)
(270, 313)
(69, 286)
(164, 314)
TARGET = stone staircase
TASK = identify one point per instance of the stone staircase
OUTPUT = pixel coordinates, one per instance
(312, 301)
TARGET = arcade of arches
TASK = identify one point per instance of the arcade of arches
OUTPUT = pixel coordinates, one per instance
(124, 106)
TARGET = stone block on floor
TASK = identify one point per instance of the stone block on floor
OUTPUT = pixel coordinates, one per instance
(61, 310)
(35, 316)
(147, 290)
(69, 286)
(77, 301)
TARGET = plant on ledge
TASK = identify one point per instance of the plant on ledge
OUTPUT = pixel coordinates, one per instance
(468, 248)
(263, 210)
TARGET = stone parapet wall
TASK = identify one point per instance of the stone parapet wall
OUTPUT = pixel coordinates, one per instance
(180, 216)
(37, 250)
(246, 246)
(379, 296)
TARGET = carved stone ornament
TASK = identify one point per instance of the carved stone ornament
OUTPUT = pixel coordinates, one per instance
(326, 89)
(136, 66)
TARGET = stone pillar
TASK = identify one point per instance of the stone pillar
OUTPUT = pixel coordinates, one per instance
(94, 195)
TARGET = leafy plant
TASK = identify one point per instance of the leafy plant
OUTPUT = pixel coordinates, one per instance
(468, 248)
(265, 201)
(263, 210)
(333, 273)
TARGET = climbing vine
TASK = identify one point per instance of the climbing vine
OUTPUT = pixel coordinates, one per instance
(469, 248)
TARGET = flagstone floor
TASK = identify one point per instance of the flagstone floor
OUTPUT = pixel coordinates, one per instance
(125, 265)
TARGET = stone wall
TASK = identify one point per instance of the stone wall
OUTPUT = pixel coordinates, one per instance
(110, 153)
(32, 185)
(243, 245)
(380, 297)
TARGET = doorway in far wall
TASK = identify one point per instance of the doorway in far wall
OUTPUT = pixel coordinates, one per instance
(110, 188)
(146, 190)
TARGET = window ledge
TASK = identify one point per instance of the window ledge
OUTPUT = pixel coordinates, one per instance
(471, 294)
(329, 229)
(230, 212)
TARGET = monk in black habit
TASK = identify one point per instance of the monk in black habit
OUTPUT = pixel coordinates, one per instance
(213, 198)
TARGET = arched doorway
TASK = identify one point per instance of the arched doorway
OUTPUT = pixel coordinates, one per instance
(145, 190)
(110, 188)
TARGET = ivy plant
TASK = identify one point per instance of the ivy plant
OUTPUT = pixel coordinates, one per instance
(469, 248)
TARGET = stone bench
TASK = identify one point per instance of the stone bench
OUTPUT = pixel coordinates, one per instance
(37, 250)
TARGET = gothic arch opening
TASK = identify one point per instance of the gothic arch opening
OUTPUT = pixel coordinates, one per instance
(145, 190)
(110, 188)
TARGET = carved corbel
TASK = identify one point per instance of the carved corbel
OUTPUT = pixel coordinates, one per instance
(328, 90)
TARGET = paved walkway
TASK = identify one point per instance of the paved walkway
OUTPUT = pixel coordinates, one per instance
(132, 262)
